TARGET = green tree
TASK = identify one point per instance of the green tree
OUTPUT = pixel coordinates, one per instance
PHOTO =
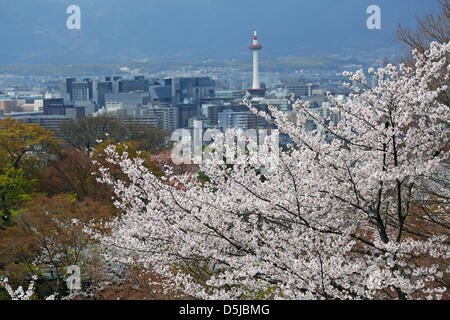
(15, 188)
(24, 151)
(25, 145)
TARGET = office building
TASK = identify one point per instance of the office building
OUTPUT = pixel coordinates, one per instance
(239, 120)
(51, 123)
(100, 89)
(166, 117)
(299, 88)
(54, 107)
(138, 84)
(7, 106)
(69, 82)
(211, 113)
(190, 89)
(129, 103)
(186, 111)
(149, 120)
(82, 90)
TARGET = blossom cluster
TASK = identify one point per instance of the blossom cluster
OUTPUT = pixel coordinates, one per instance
(334, 222)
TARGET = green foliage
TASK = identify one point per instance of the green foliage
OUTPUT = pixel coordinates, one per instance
(15, 189)
(24, 150)
(203, 177)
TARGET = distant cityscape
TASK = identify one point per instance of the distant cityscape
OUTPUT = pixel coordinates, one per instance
(240, 152)
(212, 99)
(168, 103)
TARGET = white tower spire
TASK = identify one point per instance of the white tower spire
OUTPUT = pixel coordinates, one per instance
(256, 89)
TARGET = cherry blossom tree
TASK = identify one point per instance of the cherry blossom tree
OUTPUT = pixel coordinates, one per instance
(19, 293)
(335, 221)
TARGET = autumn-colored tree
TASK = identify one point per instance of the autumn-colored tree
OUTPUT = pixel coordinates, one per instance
(88, 132)
(135, 284)
(22, 145)
(24, 151)
(100, 157)
(147, 138)
(430, 211)
(49, 237)
(164, 159)
(71, 172)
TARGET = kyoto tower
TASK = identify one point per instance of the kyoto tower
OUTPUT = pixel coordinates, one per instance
(256, 89)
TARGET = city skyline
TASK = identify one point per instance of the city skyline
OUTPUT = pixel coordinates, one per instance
(243, 152)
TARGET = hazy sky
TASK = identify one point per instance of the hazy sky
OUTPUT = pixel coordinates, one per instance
(35, 31)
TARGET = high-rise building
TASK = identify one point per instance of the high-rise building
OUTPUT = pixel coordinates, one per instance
(82, 90)
(129, 103)
(190, 89)
(139, 84)
(211, 113)
(239, 120)
(161, 94)
(100, 90)
(38, 105)
(299, 88)
(69, 82)
(54, 107)
(86, 90)
(7, 106)
(149, 120)
(166, 117)
(51, 123)
(186, 111)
